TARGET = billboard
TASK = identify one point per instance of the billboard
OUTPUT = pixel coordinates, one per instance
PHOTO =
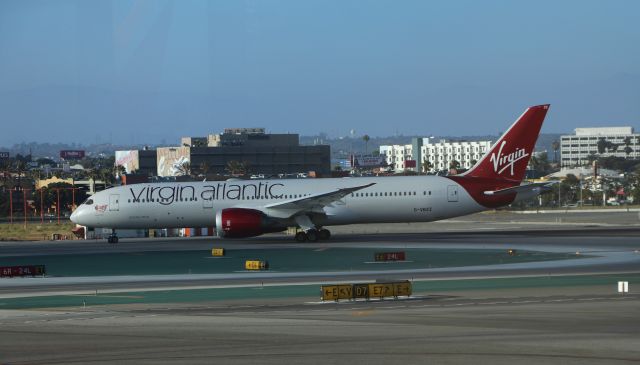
(368, 161)
(72, 154)
(4, 154)
(129, 160)
(173, 161)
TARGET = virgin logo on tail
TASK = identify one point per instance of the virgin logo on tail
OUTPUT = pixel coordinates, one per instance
(502, 162)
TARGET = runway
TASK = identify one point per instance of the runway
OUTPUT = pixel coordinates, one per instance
(553, 311)
(586, 251)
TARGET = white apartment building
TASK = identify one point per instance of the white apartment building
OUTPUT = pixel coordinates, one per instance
(397, 154)
(621, 142)
(440, 154)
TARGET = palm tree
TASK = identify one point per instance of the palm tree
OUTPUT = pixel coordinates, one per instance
(106, 175)
(555, 145)
(204, 168)
(237, 168)
(627, 148)
(184, 169)
(366, 139)
(19, 167)
(602, 145)
(534, 163)
(426, 166)
(119, 170)
(454, 165)
(6, 170)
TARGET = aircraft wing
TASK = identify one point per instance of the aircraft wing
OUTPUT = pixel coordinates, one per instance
(310, 203)
(520, 189)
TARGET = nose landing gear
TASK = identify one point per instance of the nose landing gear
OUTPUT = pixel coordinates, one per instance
(113, 237)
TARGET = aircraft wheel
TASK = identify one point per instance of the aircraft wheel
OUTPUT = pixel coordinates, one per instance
(301, 237)
(324, 234)
(115, 239)
(312, 235)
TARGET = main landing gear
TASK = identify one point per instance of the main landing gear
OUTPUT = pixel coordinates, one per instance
(313, 235)
(310, 232)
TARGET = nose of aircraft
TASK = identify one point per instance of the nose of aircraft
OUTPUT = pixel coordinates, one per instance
(76, 216)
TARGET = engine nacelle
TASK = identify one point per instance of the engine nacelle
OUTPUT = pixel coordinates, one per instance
(242, 222)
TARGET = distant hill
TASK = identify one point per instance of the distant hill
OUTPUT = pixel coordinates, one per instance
(52, 150)
(340, 147)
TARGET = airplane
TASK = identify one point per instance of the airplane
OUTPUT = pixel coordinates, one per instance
(248, 208)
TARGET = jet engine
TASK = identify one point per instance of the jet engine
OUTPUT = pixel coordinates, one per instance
(243, 222)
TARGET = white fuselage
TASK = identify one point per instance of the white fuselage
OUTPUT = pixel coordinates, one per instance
(194, 204)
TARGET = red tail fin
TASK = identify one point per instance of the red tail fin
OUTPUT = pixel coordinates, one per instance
(509, 156)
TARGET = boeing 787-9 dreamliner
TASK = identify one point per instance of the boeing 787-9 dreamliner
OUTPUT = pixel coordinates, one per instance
(246, 208)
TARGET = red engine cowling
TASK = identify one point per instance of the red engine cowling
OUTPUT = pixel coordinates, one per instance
(242, 222)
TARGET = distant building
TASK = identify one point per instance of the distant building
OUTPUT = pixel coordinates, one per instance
(584, 172)
(142, 162)
(263, 154)
(234, 137)
(582, 147)
(439, 155)
(265, 160)
(193, 141)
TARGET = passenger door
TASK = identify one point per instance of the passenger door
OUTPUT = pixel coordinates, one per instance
(207, 203)
(114, 202)
(452, 193)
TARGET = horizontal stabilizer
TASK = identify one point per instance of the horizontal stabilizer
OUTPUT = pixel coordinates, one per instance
(520, 189)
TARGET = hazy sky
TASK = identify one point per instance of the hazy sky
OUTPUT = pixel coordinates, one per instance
(143, 71)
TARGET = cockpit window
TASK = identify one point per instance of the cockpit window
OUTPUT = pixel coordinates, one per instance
(88, 202)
